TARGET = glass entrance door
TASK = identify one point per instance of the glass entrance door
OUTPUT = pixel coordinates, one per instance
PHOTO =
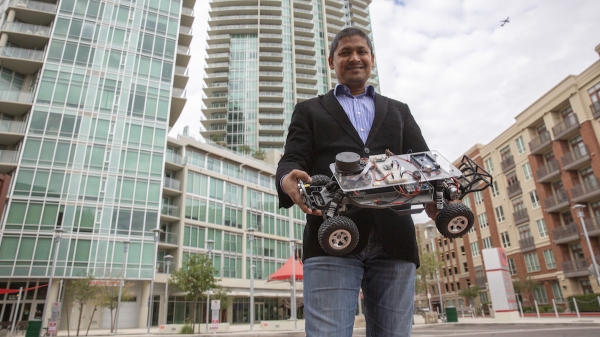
(259, 312)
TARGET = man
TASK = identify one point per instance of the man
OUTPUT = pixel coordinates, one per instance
(353, 118)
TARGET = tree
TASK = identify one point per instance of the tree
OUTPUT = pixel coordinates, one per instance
(259, 154)
(108, 297)
(81, 291)
(429, 265)
(470, 294)
(245, 149)
(195, 278)
(525, 286)
(222, 294)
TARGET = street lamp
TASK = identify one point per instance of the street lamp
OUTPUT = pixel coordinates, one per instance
(123, 270)
(579, 208)
(293, 301)
(251, 238)
(430, 228)
(58, 232)
(156, 232)
(209, 246)
(167, 263)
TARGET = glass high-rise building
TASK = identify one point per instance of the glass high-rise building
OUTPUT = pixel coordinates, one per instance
(88, 92)
(264, 56)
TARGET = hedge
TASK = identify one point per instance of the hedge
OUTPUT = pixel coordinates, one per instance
(585, 303)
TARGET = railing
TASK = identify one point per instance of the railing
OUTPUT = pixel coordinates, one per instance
(514, 189)
(9, 157)
(170, 210)
(299, 29)
(183, 50)
(303, 20)
(540, 141)
(592, 225)
(268, 44)
(217, 116)
(218, 85)
(527, 243)
(174, 158)
(217, 65)
(270, 54)
(301, 47)
(219, 127)
(168, 238)
(277, 36)
(270, 116)
(272, 64)
(508, 163)
(312, 77)
(567, 124)
(577, 265)
(270, 93)
(220, 36)
(181, 71)
(306, 66)
(299, 56)
(22, 53)
(187, 11)
(178, 92)
(520, 216)
(185, 30)
(222, 74)
(591, 184)
(299, 10)
(25, 28)
(480, 281)
(305, 96)
(220, 45)
(217, 95)
(558, 198)
(171, 183)
(233, 27)
(271, 127)
(565, 231)
(35, 5)
(576, 154)
(306, 86)
(271, 138)
(12, 126)
(299, 37)
(270, 73)
(211, 56)
(270, 104)
(549, 168)
(16, 96)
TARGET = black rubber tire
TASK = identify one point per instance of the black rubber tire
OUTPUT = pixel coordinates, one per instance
(455, 220)
(338, 235)
(319, 180)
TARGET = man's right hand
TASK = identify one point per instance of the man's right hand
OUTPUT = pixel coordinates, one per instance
(289, 184)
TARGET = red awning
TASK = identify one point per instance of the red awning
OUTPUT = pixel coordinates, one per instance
(14, 291)
(285, 272)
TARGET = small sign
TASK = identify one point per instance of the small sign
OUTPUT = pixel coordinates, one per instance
(215, 319)
(52, 328)
(215, 304)
(429, 295)
(55, 307)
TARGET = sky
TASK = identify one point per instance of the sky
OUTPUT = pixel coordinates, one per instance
(464, 76)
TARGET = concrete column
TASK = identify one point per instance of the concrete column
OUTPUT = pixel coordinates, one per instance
(10, 17)
(143, 318)
(53, 289)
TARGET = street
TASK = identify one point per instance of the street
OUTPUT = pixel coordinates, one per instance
(512, 330)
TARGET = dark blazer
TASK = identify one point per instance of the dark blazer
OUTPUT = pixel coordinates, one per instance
(319, 130)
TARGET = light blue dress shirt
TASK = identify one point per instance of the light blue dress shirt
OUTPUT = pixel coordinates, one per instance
(360, 109)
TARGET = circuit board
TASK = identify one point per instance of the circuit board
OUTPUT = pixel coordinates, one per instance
(412, 171)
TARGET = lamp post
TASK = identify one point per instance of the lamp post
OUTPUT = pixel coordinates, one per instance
(430, 228)
(123, 270)
(209, 246)
(156, 232)
(168, 259)
(293, 299)
(251, 238)
(58, 232)
(579, 208)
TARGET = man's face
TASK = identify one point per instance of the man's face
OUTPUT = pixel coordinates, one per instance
(352, 61)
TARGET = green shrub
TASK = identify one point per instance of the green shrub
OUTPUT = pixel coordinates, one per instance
(585, 303)
(187, 329)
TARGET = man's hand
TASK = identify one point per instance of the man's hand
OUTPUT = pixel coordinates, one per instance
(289, 184)
(431, 210)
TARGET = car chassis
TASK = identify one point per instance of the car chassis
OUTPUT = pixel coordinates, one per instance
(396, 182)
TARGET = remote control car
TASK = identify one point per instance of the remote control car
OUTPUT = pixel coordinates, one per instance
(394, 182)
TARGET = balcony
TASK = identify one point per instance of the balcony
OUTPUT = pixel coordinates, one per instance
(520, 216)
(171, 187)
(271, 65)
(178, 100)
(527, 244)
(218, 48)
(566, 129)
(268, 46)
(271, 56)
(304, 32)
(576, 268)
(271, 140)
(181, 77)
(548, 172)
(185, 35)
(174, 162)
(35, 12)
(11, 132)
(216, 97)
(301, 40)
(15, 103)
(303, 13)
(270, 95)
(540, 144)
(480, 281)
(24, 61)
(271, 38)
(169, 211)
(508, 164)
(270, 117)
(587, 191)
(183, 56)
(8, 160)
(557, 202)
(167, 238)
(26, 35)
(514, 190)
(269, 85)
(593, 226)
(565, 234)
(187, 16)
(595, 107)
(576, 158)
(306, 78)
(271, 129)
(299, 22)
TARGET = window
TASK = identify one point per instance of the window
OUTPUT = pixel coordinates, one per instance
(474, 249)
(489, 165)
(483, 220)
(472, 230)
(527, 172)
(532, 263)
(549, 258)
(541, 225)
(558, 295)
(512, 266)
(483, 296)
(500, 214)
(478, 198)
(487, 242)
(467, 201)
(539, 294)
(535, 200)
(495, 189)
(505, 239)
(594, 93)
(520, 145)
(466, 267)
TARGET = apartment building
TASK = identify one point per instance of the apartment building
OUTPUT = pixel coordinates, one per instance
(88, 92)
(542, 166)
(265, 56)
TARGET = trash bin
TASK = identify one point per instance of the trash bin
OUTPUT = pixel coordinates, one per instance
(451, 315)
(33, 328)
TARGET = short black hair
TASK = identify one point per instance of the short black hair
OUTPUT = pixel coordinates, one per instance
(347, 32)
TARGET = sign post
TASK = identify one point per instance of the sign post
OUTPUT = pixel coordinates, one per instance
(215, 306)
(504, 302)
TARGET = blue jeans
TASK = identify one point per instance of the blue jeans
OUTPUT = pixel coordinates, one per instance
(331, 288)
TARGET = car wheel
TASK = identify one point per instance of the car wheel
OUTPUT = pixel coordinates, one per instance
(455, 220)
(338, 235)
(319, 180)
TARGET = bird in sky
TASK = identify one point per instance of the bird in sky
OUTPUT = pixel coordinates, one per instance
(505, 22)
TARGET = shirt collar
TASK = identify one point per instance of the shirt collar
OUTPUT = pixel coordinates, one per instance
(341, 89)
